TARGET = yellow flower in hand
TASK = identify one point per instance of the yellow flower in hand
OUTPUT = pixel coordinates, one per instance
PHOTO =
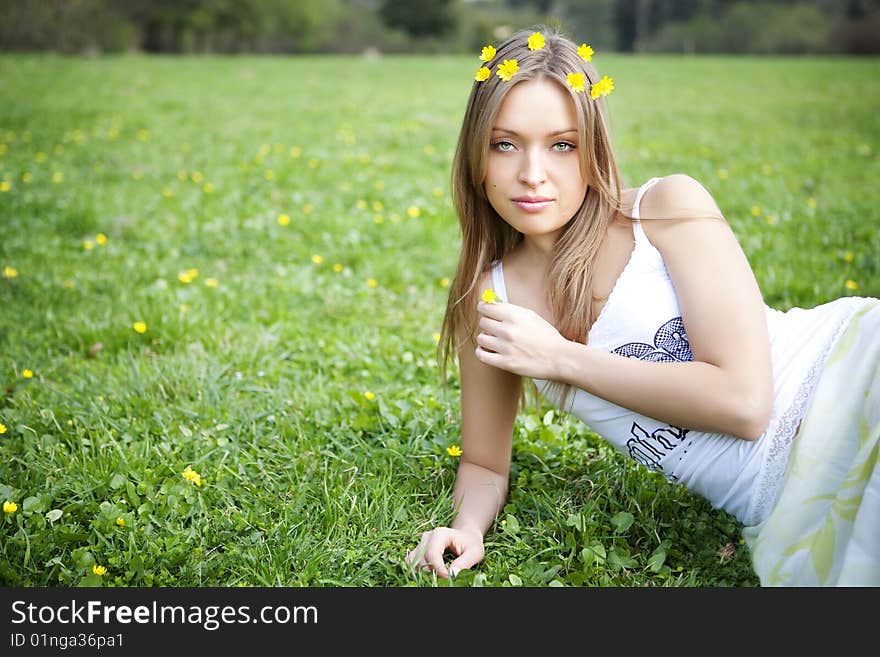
(488, 53)
(507, 68)
(489, 295)
(586, 52)
(536, 41)
(576, 81)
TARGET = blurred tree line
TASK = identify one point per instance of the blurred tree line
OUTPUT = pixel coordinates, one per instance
(349, 26)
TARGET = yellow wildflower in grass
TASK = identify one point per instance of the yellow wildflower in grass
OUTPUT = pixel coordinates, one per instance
(369, 395)
(192, 476)
(317, 259)
(211, 282)
(337, 267)
(488, 53)
(2, 428)
(5, 186)
(26, 177)
(10, 272)
(143, 135)
(68, 284)
(101, 239)
(848, 256)
(507, 69)
(188, 275)
(371, 282)
(88, 245)
(770, 220)
(453, 450)
(811, 202)
(295, 151)
(197, 177)
(120, 522)
(585, 52)
(756, 210)
(377, 206)
(9, 507)
(28, 374)
(536, 41)
(413, 212)
(436, 337)
(361, 204)
(208, 188)
(283, 220)
(482, 74)
(40, 156)
(99, 570)
(378, 218)
(167, 192)
(139, 327)
(489, 295)
(444, 282)
(576, 81)
(851, 284)
(57, 177)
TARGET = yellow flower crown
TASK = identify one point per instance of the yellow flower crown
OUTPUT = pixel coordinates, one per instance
(508, 68)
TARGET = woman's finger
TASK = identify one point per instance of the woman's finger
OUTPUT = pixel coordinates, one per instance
(489, 342)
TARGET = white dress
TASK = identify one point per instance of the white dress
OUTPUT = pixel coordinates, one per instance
(641, 319)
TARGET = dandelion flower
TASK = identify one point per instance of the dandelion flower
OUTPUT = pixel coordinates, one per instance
(101, 239)
(99, 570)
(488, 53)
(5, 186)
(851, 284)
(756, 210)
(369, 395)
(337, 267)
(88, 245)
(211, 282)
(295, 151)
(507, 69)
(482, 74)
(208, 188)
(139, 327)
(371, 282)
(536, 41)
(57, 177)
(9, 507)
(413, 212)
(283, 220)
(2, 428)
(28, 374)
(453, 450)
(10, 272)
(444, 282)
(120, 522)
(489, 295)
(197, 177)
(188, 275)
(576, 81)
(192, 476)
(436, 337)
(317, 259)
(848, 256)
(585, 52)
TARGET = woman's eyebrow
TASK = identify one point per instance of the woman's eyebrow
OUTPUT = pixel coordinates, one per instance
(549, 134)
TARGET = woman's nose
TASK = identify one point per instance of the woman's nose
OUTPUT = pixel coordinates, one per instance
(532, 168)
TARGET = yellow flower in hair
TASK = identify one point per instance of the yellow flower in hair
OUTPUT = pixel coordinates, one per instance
(586, 52)
(482, 74)
(576, 81)
(488, 53)
(536, 41)
(603, 87)
(507, 68)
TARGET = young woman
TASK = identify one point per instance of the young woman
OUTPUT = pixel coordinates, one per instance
(636, 310)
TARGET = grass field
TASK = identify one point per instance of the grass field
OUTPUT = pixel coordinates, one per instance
(282, 229)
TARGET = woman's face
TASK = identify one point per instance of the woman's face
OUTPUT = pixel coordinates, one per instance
(533, 175)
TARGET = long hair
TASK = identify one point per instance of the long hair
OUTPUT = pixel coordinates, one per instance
(487, 237)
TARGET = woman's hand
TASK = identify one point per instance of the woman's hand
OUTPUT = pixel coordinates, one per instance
(467, 544)
(518, 340)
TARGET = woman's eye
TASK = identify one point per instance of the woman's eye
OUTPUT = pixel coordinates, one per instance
(563, 146)
(503, 146)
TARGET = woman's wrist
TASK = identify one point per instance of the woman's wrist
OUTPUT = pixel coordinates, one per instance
(569, 362)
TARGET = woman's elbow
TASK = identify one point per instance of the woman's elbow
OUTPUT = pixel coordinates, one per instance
(753, 416)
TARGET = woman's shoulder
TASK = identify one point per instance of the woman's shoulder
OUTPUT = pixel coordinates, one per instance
(678, 196)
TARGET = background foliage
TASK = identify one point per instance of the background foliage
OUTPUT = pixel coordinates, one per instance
(353, 26)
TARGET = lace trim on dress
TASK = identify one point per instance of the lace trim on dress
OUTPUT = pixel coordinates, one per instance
(776, 457)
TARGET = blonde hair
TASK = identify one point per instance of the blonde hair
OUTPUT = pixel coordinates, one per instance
(486, 237)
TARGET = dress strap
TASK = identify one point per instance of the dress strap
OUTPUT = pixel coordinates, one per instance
(636, 215)
(498, 281)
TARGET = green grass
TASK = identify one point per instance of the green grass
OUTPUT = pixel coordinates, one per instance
(258, 383)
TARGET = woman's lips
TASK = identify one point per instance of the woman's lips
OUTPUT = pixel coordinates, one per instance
(532, 206)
